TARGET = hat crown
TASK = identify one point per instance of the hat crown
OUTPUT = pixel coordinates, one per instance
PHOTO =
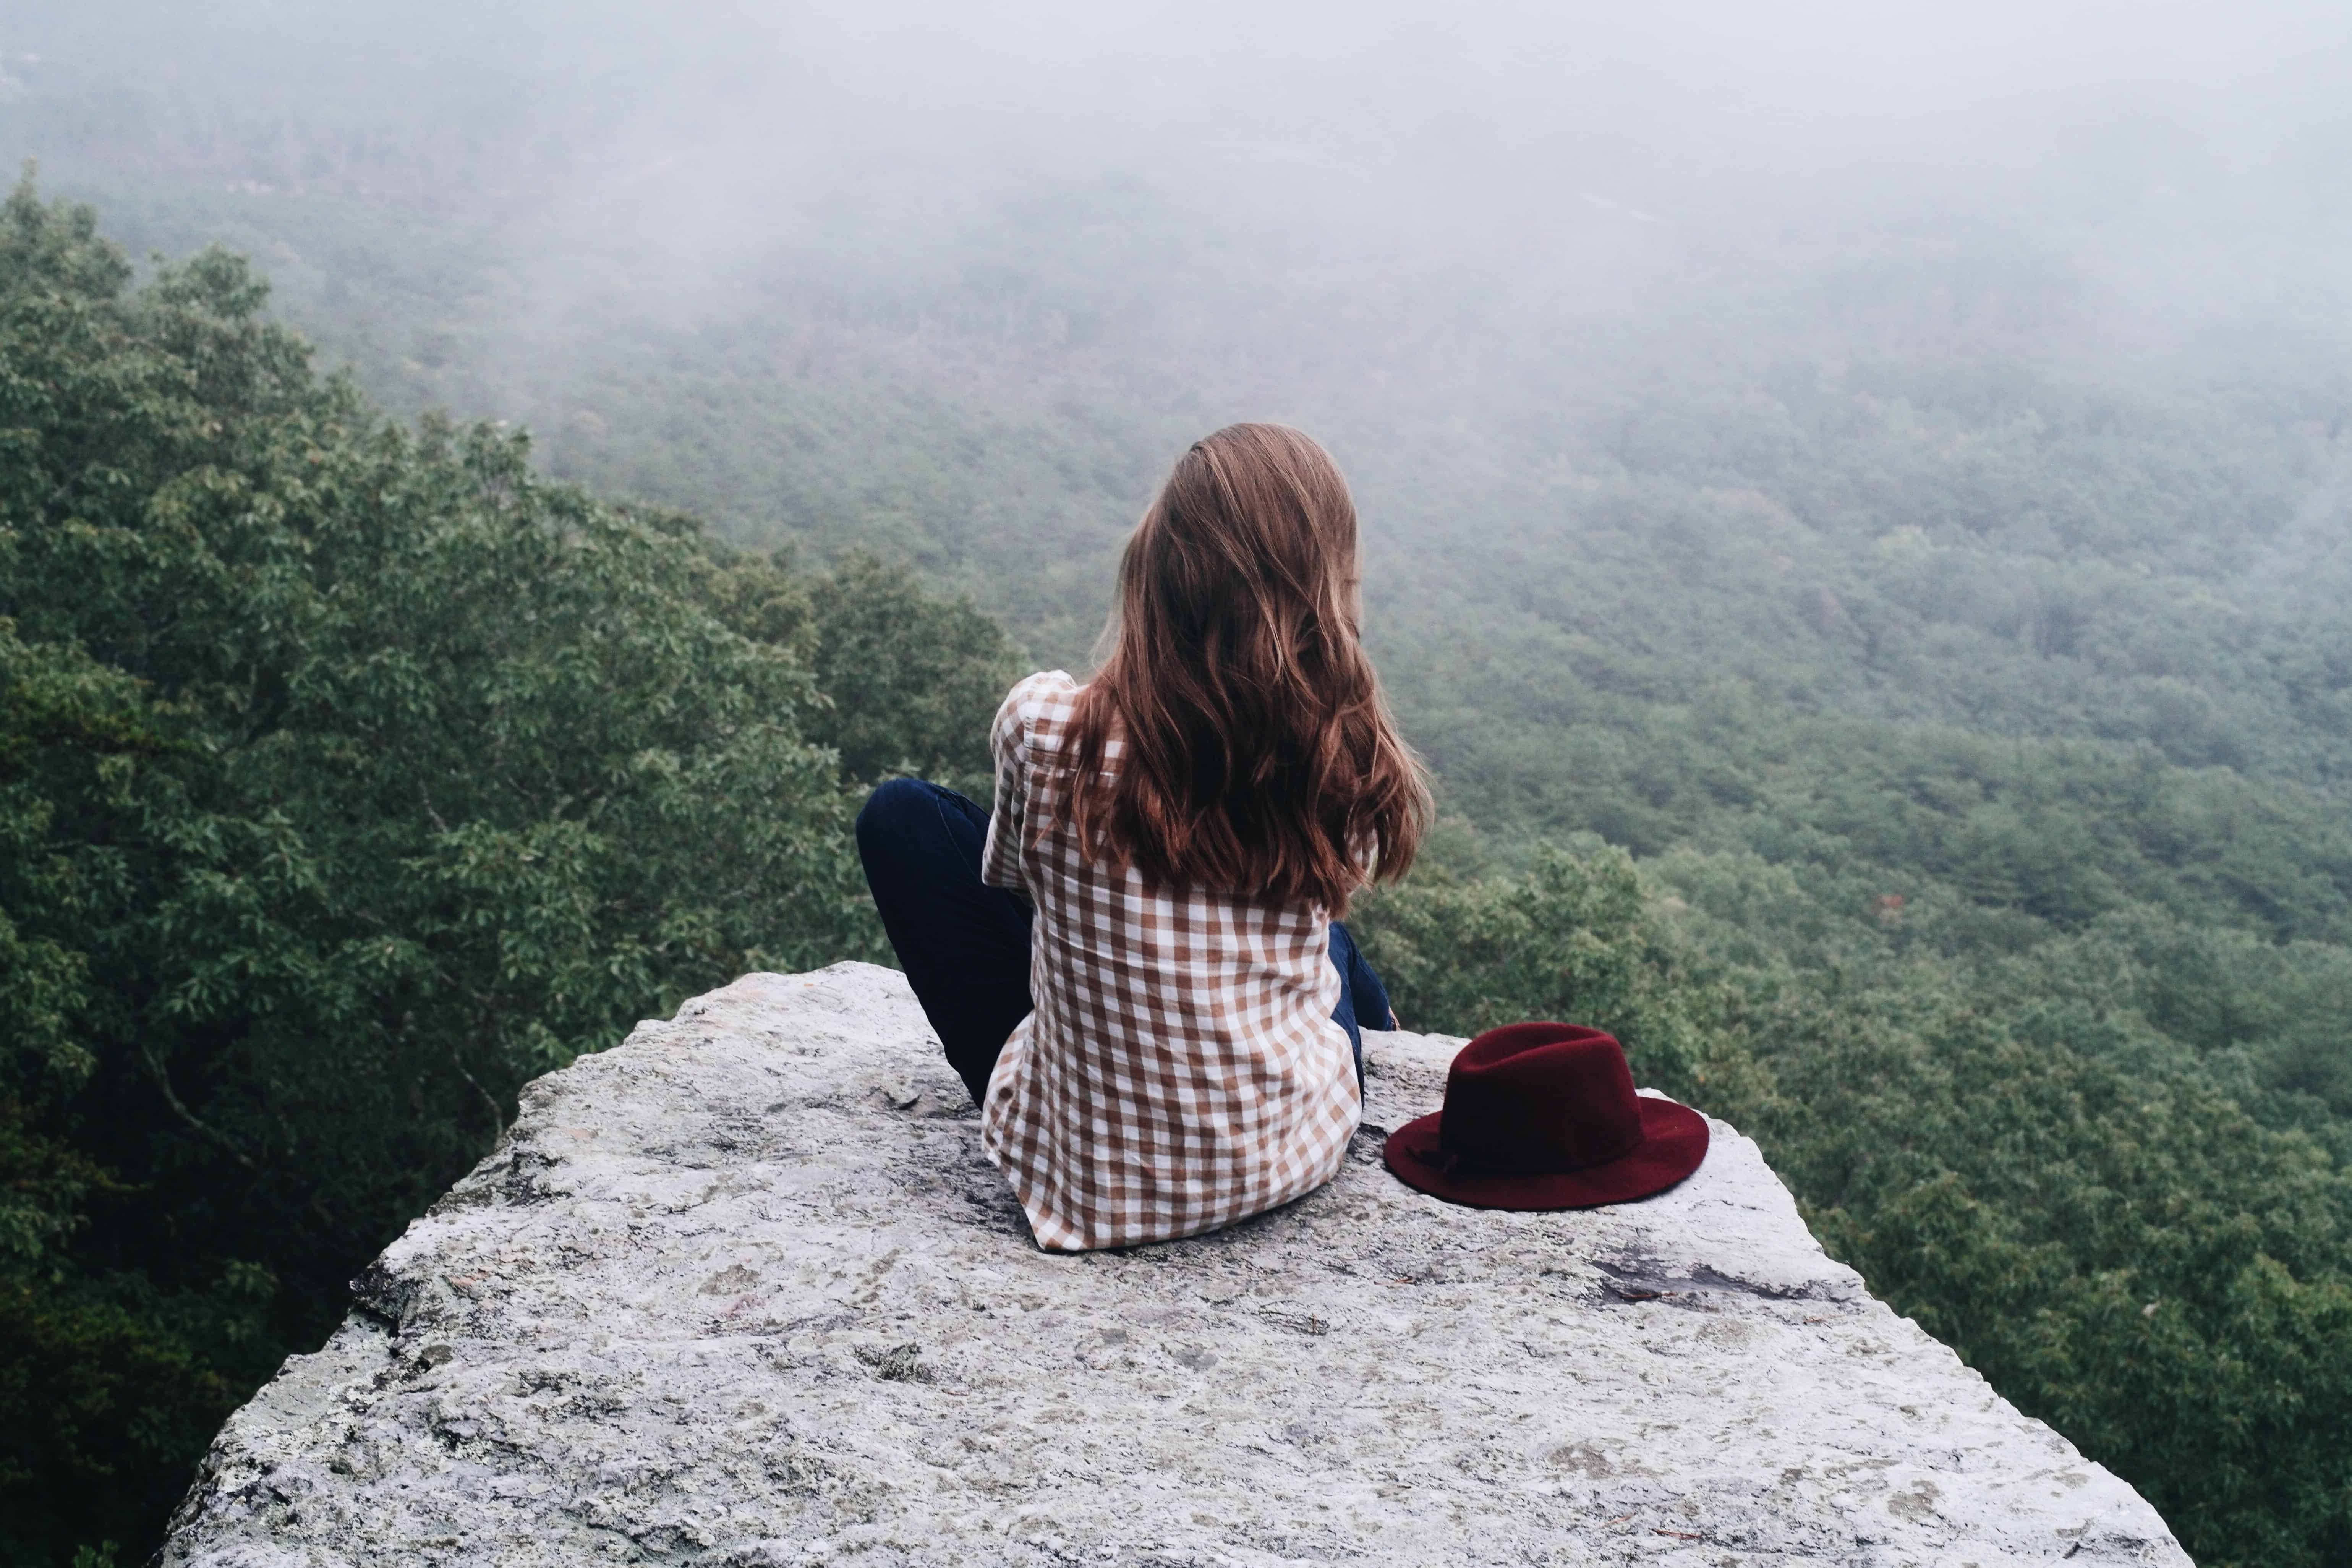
(1540, 1096)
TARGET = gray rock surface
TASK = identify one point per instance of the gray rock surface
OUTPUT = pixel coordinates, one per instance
(744, 1291)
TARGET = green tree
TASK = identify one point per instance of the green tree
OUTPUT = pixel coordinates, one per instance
(349, 777)
(1574, 939)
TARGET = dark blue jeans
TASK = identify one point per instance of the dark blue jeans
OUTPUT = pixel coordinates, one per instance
(965, 946)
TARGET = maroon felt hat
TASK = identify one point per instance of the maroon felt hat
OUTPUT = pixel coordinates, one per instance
(1544, 1116)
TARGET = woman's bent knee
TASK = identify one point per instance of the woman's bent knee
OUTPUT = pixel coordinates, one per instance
(895, 806)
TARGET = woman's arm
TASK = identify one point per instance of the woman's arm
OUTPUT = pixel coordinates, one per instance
(1008, 745)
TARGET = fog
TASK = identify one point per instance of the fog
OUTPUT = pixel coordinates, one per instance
(727, 130)
(1467, 242)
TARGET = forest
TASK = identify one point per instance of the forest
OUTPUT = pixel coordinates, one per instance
(1882, 657)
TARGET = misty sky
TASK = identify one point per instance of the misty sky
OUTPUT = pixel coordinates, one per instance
(1282, 205)
(1666, 109)
(955, 280)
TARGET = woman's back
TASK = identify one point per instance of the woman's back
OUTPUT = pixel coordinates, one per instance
(1182, 1068)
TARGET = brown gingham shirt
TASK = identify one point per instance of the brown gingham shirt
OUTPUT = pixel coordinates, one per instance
(1183, 1070)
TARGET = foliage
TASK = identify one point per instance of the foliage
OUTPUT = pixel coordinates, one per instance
(1572, 936)
(905, 672)
(349, 778)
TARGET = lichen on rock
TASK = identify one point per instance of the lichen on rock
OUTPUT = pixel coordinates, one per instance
(744, 1291)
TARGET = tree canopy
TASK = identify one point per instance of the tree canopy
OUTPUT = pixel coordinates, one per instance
(350, 776)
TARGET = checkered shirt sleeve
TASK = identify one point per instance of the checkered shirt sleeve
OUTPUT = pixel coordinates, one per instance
(1182, 1070)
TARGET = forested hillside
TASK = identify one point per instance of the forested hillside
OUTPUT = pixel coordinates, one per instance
(350, 776)
(1881, 645)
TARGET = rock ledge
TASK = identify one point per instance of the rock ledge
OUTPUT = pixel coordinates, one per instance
(743, 1291)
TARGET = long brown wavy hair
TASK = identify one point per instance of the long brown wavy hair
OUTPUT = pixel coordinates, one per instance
(1257, 754)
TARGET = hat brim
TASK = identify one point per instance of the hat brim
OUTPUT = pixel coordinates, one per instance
(1673, 1142)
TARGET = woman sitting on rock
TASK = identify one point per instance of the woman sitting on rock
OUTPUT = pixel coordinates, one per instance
(1134, 962)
